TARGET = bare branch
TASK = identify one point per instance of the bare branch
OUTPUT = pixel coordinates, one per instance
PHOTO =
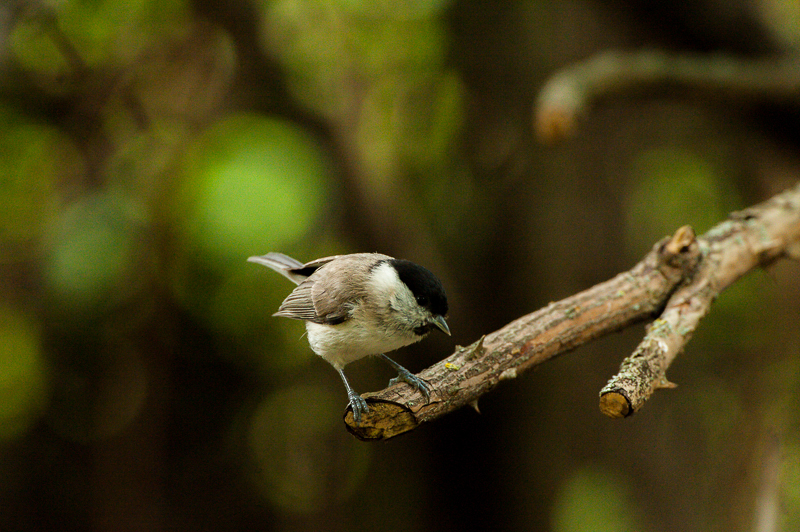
(681, 275)
(570, 92)
(750, 238)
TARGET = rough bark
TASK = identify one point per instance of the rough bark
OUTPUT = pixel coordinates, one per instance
(675, 282)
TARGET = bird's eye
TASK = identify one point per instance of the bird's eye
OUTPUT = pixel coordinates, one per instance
(422, 301)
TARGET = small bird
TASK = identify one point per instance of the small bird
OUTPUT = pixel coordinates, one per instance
(362, 304)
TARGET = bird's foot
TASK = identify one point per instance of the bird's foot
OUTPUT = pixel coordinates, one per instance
(358, 404)
(403, 375)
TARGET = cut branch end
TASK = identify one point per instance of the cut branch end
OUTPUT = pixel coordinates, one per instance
(615, 405)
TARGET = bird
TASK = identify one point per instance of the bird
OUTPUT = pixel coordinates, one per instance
(362, 304)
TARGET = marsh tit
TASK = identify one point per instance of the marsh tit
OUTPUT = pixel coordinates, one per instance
(359, 305)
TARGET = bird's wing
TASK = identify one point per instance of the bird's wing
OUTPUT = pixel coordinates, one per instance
(312, 303)
(329, 295)
(341, 286)
(322, 297)
(299, 304)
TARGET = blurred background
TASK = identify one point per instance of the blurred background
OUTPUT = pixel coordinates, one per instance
(148, 147)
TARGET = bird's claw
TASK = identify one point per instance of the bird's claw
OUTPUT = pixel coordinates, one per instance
(359, 406)
(414, 381)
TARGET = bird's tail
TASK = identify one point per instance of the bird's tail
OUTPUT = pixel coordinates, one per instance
(282, 264)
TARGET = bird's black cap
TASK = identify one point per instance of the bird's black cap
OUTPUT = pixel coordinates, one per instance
(425, 286)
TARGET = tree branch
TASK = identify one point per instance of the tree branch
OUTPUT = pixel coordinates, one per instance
(570, 92)
(678, 279)
(754, 237)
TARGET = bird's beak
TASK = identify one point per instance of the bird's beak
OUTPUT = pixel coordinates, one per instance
(440, 324)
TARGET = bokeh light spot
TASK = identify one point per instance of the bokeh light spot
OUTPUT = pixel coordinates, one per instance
(672, 187)
(91, 254)
(594, 500)
(23, 382)
(304, 460)
(252, 184)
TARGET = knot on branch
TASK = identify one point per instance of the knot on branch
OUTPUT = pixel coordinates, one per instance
(680, 252)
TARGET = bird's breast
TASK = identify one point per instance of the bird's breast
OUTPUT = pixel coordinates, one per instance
(350, 341)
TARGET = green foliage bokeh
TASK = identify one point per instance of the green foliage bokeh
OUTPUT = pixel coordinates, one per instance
(147, 148)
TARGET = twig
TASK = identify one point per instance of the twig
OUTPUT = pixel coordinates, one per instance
(750, 238)
(570, 92)
(680, 275)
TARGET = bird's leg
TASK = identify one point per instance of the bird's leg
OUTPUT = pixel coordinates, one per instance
(356, 401)
(403, 375)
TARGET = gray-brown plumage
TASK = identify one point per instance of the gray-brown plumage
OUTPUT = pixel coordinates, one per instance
(333, 301)
(361, 304)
